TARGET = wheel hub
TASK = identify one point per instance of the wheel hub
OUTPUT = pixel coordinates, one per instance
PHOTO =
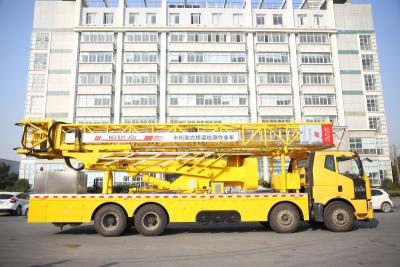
(285, 218)
(340, 217)
(150, 220)
(110, 221)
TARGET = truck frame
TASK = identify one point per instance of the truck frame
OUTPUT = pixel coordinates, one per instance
(215, 170)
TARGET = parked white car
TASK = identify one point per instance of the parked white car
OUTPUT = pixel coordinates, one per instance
(381, 200)
(15, 203)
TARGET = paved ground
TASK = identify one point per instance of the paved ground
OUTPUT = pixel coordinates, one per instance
(374, 243)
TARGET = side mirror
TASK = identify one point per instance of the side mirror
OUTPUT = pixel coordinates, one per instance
(368, 159)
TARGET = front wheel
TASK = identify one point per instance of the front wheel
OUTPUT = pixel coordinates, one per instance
(284, 218)
(339, 217)
(386, 207)
(110, 220)
(151, 220)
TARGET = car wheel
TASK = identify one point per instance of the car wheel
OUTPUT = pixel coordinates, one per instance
(284, 218)
(151, 220)
(110, 220)
(18, 211)
(386, 207)
(339, 217)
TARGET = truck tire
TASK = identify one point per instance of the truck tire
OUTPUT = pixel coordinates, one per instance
(339, 217)
(110, 220)
(151, 220)
(284, 218)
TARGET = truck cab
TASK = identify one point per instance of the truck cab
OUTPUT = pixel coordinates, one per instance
(337, 186)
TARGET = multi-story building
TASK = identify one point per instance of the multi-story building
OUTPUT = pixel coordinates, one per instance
(145, 61)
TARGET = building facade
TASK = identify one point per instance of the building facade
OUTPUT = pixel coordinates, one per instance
(146, 61)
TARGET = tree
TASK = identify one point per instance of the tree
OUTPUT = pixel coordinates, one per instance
(21, 185)
(7, 179)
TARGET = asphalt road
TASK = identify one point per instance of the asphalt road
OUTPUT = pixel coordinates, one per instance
(370, 244)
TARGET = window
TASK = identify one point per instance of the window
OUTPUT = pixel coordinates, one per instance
(97, 37)
(330, 163)
(271, 37)
(140, 100)
(96, 57)
(277, 118)
(140, 78)
(39, 61)
(216, 19)
(374, 123)
(195, 18)
(151, 18)
(37, 83)
(208, 119)
(36, 104)
(375, 192)
(315, 58)
(208, 100)
(95, 79)
(139, 120)
(368, 145)
(92, 120)
(277, 19)
(208, 78)
(317, 78)
(370, 82)
(140, 57)
(276, 100)
(372, 103)
(237, 38)
(108, 18)
(273, 57)
(204, 37)
(260, 19)
(133, 18)
(177, 37)
(173, 18)
(91, 18)
(365, 42)
(207, 57)
(321, 118)
(368, 62)
(348, 167)
(313, 38)
(319, 100)
(318, 20)
(141, 37)
(301, 19)
(275, 78)
(41, 40)
(237, 19)
(94, 100)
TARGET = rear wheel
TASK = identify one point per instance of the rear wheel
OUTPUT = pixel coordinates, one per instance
(284, 218)
(151, 220)
(339, 217)
(18, 211)
(386, 207)
(110, 220)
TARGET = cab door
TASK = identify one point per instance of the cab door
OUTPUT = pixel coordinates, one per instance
(349, 178)
(325, 184)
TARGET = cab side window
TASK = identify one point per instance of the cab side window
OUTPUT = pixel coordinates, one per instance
(330, 163)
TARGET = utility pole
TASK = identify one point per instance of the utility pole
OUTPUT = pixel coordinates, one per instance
(396, 164)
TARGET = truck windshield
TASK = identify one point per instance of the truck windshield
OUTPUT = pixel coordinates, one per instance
(348, 167)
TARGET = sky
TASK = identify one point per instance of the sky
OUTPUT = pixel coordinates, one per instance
(16, 18)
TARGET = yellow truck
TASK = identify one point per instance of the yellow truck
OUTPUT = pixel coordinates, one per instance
(212, 172)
